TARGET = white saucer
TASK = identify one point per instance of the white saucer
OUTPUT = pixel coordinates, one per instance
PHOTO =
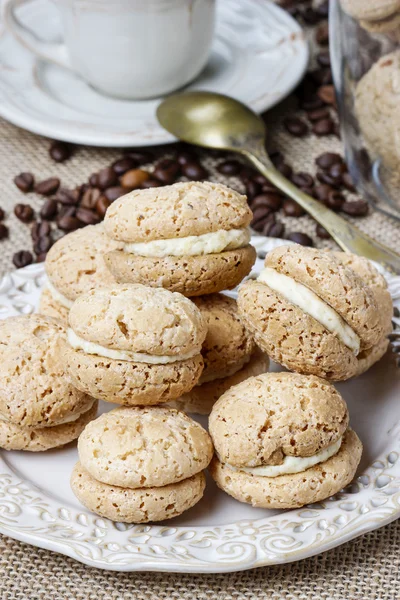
(259, 55)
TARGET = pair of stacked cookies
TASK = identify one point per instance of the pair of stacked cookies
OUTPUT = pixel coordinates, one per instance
(376, 16)
(39, 407)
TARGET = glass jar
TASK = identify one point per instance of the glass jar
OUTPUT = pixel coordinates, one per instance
(365, 58)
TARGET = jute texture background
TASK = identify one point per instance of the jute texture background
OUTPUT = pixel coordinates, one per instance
(365, 568)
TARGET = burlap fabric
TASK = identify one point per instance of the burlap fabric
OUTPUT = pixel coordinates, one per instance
(365, 568)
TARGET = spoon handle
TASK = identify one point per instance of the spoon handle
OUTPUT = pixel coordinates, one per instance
(346, 235)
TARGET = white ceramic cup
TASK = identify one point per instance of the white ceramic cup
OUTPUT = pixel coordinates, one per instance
(127, 48)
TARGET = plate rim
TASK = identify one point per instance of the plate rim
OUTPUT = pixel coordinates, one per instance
(241, 545)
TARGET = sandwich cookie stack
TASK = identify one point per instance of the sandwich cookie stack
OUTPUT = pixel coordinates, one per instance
(376, 16)
(39, 407)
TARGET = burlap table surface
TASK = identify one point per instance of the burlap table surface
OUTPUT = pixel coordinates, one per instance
(368, 567)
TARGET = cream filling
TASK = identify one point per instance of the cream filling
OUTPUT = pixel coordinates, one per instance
(57, 296)
(78, 343)
(301, 296)
(292, 464)
(193, 245)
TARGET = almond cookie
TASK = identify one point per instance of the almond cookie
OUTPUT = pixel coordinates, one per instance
(282, 441)
(310, 313)
(35, 391)
(141, 464)
(74, 265)
(191, 238)
(132, 344)
(14, 437)
(370, 10)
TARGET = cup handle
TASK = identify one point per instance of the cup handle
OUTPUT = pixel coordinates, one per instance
(52, 52)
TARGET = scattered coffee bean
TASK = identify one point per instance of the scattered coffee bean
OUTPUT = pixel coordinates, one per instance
(86, 216)
(67, 197)
(267, 225)
(141, 157)
(90, 197)
(115, 192)
(277, 158)
(40, 258)
(229, 167)
(313, 103)
(49, 209)
(133, 179)
(303, 180)
(47, 187)
(3, 231)
(42, 244)
(167, 171)
(335, 200)
(185, 157)
(286, 170)
(106, 178)
(322, 192)
(300, 238)
(322, 76)
(253, 189)
(347, 182)
(311, 16)
(327, 179)
(270, 200)
(327, 159)
(150, 183)
(337, 171)
(94, 180)
(322, 34)
(327, 94)
(323, 9)
(24, 182)
(60, 151)
(276, 230)
(323, 127)
(40, 229)
(123, 165)
(22, 259)
(2, 214)
(24, 212)
(263, 181)
(260, 213)
(322, 232)
(324, 59)
(69, 223)
(66, 211)
(194, 171)
(317, 114)
(356, 208)
(101, 206)
(295, 126)
(292, 209)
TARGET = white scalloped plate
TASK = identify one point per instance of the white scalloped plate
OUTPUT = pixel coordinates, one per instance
(259, 55)
(219, 534)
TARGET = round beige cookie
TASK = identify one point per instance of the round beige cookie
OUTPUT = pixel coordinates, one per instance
(14, 437)
(295, 490)
(176, 211)
(140, 319)
(131, 383)
(144, 447)
(291, 337)
(189, 275)
(265, 418)
(34, 388)
(377, 99)
(141, 505)
(50, 307)
(228, 346)
(75, 263)
(383, 26)
(370, 10)
(338, 286)
(202, 398)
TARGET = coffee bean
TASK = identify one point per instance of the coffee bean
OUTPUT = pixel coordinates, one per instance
(295, 126)
(323, 127)
(327, 159)
(185, 157)
(48, 187)
(69, 223)
(2, 214)
(347, 181)
(60, 151)
(40, 229)
(311, 16)
(276, 230)
(322, 76)
(49, 209)
(313, 103)
(40, 258)
(81, 189)
(303, 180)
(264, 223)
(322, 34)
(24, 182)
(66, 211)
(264, 182)
(300, 238)
(277, 158)
(167, 171)
(253, 189)
(337, 171)
(270, 200)
(88, 217)
(90, 198)
(247, 173)
(286, 170)
(133, 179)
(141, 157)
(324, 177)
(106, 178)
(42, 244)
(67, 197)
(322, 192)
(22, 259)
(150, 183)
(194, 171)
(24, 212)
(94, 180)
(229, 167)
(260, 213)
(318, 114)
(356, 208)
(323, 9)
(327, 94)
(101, 206)
(3, 231)
(292, 209)
(322, 232)
(324, 59)
(115, 192)
(123, 165)
(335, 200)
